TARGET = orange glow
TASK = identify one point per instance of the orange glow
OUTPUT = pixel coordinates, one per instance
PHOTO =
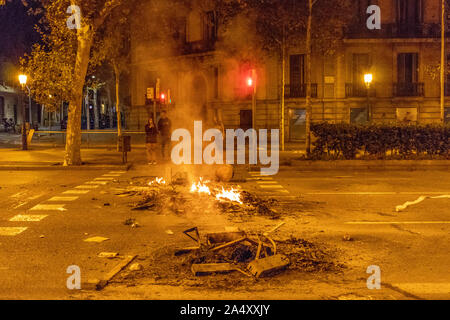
(230, 195)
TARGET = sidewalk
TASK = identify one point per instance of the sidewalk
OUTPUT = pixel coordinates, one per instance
(41, 158)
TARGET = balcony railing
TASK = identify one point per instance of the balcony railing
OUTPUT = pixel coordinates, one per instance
(395, 30)
(198, 46)
(408, 89)
(299, 91)
(352, 91)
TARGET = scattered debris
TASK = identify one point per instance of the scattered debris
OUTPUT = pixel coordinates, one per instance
(96, 239)
(41, 236)
(108, 255)
(107, 204)
(268, 265)
(129, 222)
(169, 232)
(347, 238)
(218, 237)
(135, 267)
(209, 268)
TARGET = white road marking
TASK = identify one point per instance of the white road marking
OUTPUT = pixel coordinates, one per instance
(266, 182)
(271, 186)
(260, 178)
(87, 187)
(397, 222)
(36, 196)
(76, 192)
(49, 207)
(11, 231)
(112, 175)
(118, 172)
(62, 199)
(419, 288)
(28, 218)
(20, 205)
(96, 182)
(18, 195)
(104, 179)
(373, 193)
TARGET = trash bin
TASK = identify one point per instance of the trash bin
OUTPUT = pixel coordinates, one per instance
(124, 146)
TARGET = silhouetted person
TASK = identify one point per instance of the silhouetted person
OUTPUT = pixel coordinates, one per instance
(165, 129)
(151, 139)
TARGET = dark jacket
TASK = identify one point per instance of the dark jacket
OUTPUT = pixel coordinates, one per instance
(164, 126)
(151, 134)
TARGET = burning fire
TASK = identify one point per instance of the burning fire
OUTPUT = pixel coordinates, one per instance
(200, 187)
(231, 195)
(157, 181)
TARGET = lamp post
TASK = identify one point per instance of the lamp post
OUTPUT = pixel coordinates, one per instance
(251, 82)
(368, 78)
(23, 81)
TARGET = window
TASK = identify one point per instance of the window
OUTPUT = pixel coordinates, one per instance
(210, 26)
(216, 82)
(409, 11)
(2, 108)
(297, 70)
(359, 68)
(359, 115)
(407, 67)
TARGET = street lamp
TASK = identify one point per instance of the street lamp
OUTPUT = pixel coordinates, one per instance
(251, 82)
(23, 82)
(368, 78)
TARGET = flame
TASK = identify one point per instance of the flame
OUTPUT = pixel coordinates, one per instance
(200, 187)
(157, 181)
(231, 195)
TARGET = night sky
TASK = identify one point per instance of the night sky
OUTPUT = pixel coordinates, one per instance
(17, 33)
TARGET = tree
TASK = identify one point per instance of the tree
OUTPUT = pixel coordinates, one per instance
(74, 48)
(279, 24)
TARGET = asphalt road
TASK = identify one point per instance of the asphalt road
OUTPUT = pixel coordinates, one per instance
(410, 247)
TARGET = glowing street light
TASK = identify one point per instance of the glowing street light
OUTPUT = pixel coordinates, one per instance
(250, 82)
(23, 79)
(368, 78)
(23, 82)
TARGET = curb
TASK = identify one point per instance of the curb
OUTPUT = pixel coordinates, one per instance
(410, 165)
(62, 168)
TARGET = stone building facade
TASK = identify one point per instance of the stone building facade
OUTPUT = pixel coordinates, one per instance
(204, 82)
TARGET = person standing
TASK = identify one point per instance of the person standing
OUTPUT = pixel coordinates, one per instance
(165, 129)
(151, 140)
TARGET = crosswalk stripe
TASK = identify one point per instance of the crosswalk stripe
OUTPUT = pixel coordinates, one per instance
(104, 179)
(271, 186)
(76, 191)
(118, 172)
(87, 187)
(11, 231)
(62, 199)
(49, 207)
(28, 218)
(97, 182)
(266, 182)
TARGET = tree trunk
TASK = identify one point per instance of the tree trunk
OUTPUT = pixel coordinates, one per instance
(283, 88)
(73, 141)
(96, 112)
(119, 117)
(308, 78)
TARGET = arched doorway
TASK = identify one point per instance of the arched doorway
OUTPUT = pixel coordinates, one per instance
(198, 98)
